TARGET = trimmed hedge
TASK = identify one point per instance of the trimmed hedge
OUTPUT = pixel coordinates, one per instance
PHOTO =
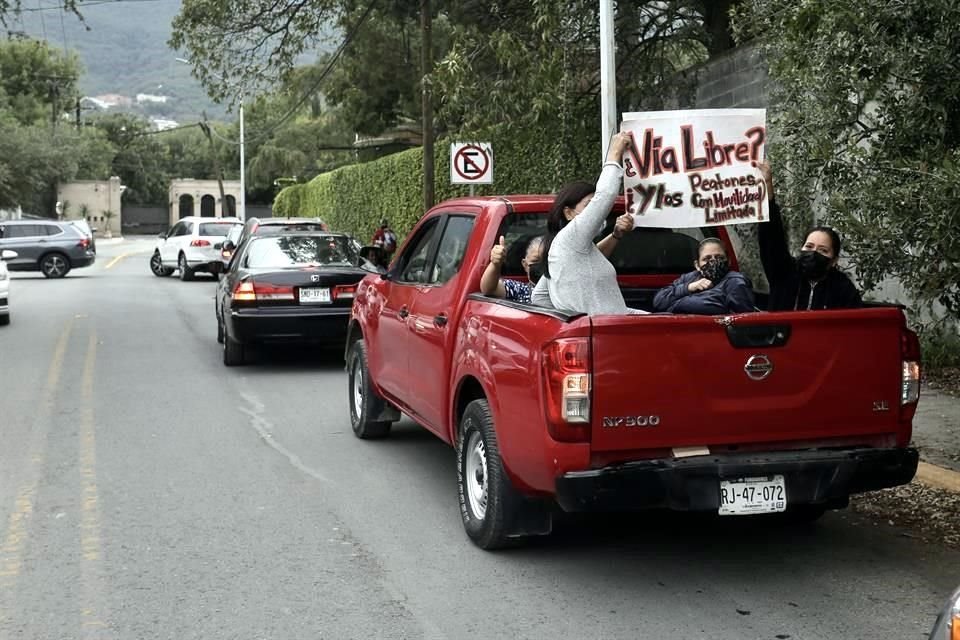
(355, 198)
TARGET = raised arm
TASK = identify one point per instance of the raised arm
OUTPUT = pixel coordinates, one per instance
(772, 238)
(490, 283)
(579, 233)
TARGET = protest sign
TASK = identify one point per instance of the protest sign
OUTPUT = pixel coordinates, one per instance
(695, 168)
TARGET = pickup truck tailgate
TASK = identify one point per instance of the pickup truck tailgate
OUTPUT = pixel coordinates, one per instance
(675, 381)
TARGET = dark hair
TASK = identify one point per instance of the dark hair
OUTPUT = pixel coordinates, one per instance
(706, 241)
(569, 196)
(834, 238)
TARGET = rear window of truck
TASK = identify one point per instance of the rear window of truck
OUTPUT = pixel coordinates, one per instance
(644, 251)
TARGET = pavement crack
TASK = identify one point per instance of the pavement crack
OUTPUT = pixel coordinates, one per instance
(264, 429)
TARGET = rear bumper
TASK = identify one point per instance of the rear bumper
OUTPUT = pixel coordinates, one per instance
(323, 325)
(84, 260)
(692, 484)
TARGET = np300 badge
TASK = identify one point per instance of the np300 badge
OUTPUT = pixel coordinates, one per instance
(630, 421)
(758, 367)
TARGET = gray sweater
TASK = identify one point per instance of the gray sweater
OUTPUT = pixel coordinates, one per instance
(582, 279)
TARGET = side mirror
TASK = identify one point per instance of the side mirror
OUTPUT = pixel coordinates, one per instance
(6, 254)
(162, 235)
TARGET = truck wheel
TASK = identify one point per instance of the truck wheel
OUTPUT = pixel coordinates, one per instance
(488, 502)
(364, 401)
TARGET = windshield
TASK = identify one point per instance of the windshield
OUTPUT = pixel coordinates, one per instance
(217, 228)
(292, 251)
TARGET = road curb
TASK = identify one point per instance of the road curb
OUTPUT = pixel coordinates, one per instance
(939, 477)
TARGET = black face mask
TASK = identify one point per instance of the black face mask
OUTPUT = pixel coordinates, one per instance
(715, 270)
(813, 265)
(535, 272)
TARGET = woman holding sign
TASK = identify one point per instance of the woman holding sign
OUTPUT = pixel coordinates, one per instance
(578, 276)
(810, 281)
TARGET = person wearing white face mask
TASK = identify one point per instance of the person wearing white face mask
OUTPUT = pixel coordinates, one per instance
(577, 274)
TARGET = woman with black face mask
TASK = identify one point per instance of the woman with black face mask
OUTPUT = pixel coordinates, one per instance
(811, 281)
(711, 289)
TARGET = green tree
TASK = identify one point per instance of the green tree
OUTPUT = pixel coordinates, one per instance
(138, 159)
(37, 83)
(866, 129)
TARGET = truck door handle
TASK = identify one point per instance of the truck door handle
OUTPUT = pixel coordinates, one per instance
(440, 320)
(403, 313)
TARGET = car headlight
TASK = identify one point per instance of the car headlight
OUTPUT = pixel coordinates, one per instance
(4, 275)
(947, 626)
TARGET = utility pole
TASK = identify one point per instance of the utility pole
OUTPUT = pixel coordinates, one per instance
(78, 114)
(205, 127)
(426, 68)
(608, 77)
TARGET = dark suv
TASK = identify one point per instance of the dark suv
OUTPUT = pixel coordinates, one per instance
(48, 246)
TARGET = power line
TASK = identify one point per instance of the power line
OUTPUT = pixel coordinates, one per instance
(313, 88)
(43, 23)
(79, 5)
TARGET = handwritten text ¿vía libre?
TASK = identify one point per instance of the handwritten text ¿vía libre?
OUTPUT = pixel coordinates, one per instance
(652, 158)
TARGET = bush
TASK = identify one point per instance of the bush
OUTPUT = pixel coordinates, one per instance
(355, 198)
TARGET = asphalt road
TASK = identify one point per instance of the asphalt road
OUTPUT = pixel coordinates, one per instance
(146, 491)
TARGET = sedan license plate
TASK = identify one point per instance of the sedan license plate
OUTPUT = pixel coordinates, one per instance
(314, 295)
(747, 496)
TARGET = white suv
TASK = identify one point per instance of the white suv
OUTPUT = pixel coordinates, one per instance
(190, 246)
(5, 254)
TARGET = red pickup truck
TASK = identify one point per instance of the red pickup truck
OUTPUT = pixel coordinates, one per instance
(742, 414)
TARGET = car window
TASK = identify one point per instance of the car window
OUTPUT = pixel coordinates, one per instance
(52, 229)
(186, 229)
(24, 231)
(453, 246)
(290, 251)
(413, 263)
(217, 228)
(175, 231)
(518, 230)
(645, 250)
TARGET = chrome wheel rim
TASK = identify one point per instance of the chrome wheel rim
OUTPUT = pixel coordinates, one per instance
(476, 475)
(156, 264)
(356, 380)
(56, 266)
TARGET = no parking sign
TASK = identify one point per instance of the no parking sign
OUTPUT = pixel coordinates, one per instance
(471, 163)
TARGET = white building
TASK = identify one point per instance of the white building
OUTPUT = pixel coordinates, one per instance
(149, 97)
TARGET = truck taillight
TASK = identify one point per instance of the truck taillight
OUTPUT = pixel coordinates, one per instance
(344, 291)
(910, 368)
(567, 389)
(200, 242)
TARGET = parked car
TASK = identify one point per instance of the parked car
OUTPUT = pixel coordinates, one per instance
(52, 247)
(269, 226)
(5, 254)
(737, 415)
(229, 245)
(292, 286)
(191, 246)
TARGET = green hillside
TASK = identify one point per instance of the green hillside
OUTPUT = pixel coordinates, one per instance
(123, 48)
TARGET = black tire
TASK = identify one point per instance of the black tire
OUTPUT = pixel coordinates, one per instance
(488, 502)
(234, 353)
(186, 273)
(156, 266)
(4, 320)
(364, 401)
(54, 265)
